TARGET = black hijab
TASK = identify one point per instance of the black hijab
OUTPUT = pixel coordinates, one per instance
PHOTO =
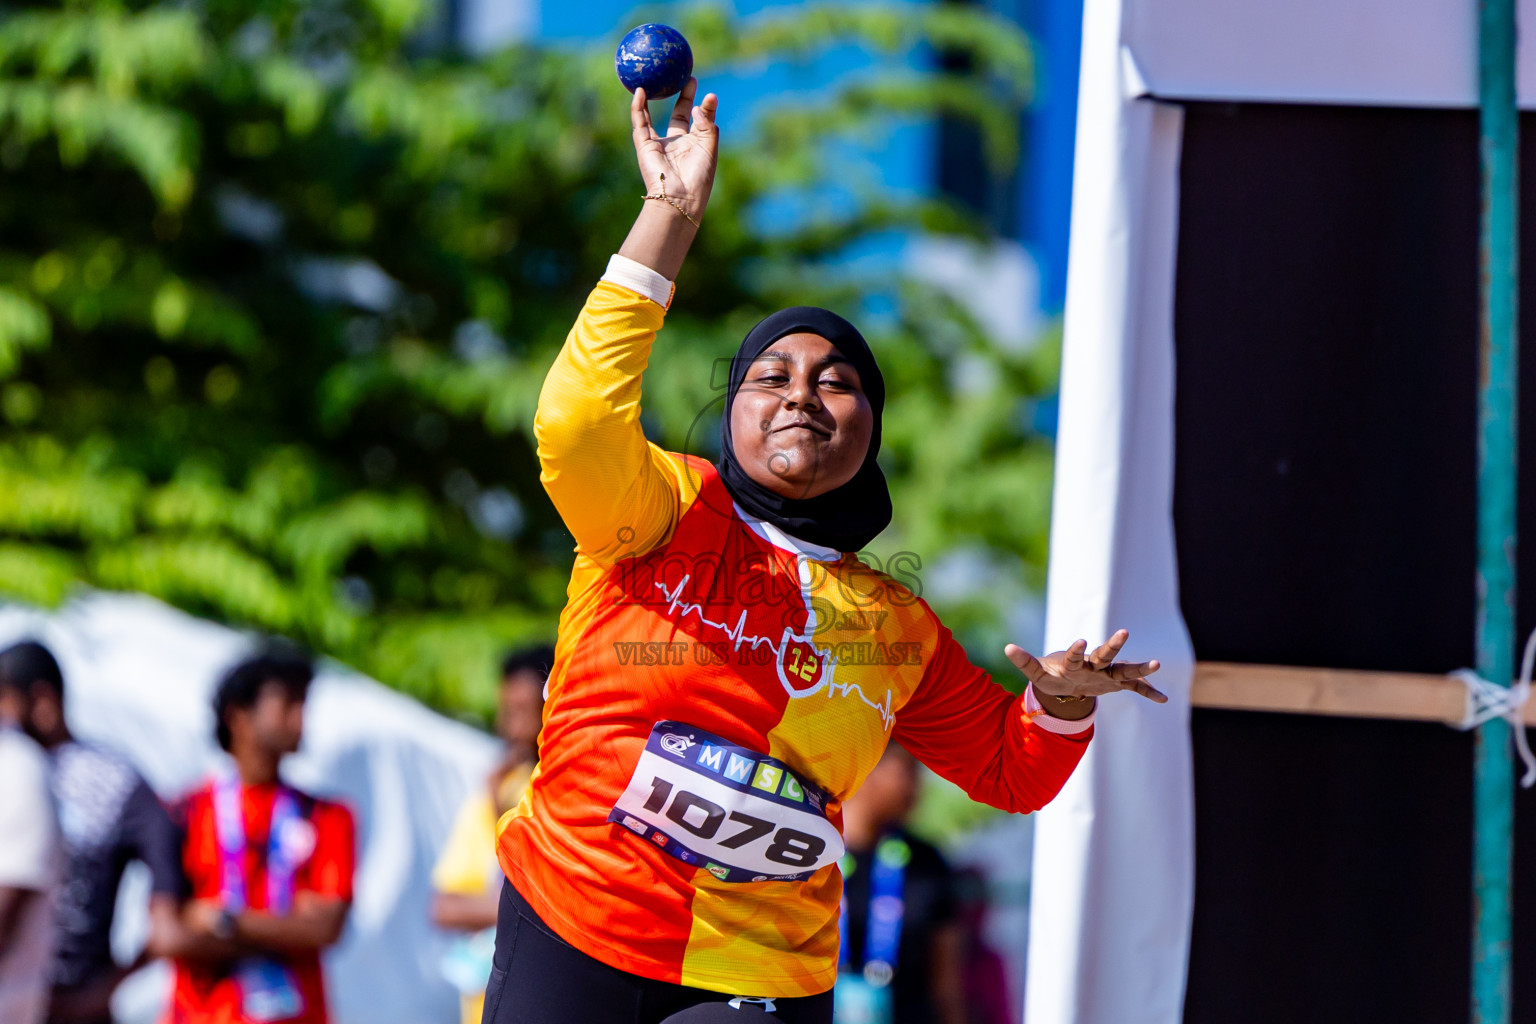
(845, 518)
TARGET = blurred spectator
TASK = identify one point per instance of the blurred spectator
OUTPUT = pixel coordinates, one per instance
(984, 975)
(28, 854)
(901, 936)
(108, 816)
(269, 868)
(467, 879)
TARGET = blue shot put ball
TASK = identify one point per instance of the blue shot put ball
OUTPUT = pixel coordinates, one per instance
(655, 58)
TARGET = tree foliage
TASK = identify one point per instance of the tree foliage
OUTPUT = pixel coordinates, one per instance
(278, 286)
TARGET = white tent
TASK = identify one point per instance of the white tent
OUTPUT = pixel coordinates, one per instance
(139, 676)
(1114, 855)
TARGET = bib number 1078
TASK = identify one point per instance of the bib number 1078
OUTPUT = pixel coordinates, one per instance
(704, 818)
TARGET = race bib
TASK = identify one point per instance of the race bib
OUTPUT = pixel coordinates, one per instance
(740, 815)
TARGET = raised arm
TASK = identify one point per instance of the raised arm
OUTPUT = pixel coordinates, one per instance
(617, 493)
(679, 172)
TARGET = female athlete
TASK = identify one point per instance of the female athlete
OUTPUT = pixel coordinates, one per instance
(727, 671)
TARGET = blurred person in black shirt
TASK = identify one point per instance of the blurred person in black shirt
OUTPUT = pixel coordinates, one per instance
(901, 963)
(108, 817)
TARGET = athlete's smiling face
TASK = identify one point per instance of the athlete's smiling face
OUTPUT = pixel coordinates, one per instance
(801, 422)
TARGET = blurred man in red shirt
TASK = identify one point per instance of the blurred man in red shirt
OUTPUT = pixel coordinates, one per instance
(269, 868)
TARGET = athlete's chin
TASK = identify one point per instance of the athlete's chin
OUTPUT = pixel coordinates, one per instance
(803, 487)
(803, 470)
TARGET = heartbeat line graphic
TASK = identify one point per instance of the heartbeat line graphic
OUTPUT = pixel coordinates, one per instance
(738, 635)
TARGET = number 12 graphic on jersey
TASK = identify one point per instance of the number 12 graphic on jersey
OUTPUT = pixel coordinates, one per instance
(740, 815)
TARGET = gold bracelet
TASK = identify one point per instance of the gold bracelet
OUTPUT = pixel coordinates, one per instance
(1069, 700)
(675, 204)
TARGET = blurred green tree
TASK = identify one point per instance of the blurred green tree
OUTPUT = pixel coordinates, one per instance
(278, 284)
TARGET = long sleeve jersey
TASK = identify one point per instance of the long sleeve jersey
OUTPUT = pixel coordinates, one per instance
(696, 634)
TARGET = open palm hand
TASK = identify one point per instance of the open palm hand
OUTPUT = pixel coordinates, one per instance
(1075, 673)
(680, 164)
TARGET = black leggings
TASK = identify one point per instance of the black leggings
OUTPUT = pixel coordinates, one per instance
(539, 978)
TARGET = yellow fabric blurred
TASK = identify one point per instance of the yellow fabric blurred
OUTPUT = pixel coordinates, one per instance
(467, 866)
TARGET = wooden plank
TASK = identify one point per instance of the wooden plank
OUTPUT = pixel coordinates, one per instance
(1332, 691)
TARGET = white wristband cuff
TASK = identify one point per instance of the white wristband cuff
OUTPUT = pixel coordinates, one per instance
(1044, 720)
(639, 278)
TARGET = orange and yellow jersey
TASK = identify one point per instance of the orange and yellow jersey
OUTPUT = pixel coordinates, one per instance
(680, 610)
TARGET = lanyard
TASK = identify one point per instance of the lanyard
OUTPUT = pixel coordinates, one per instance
(887, 911)
(229, 820)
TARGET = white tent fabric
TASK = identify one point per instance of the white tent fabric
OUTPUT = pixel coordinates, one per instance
(1113, 860)
(139, 676)
(1419, 53)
